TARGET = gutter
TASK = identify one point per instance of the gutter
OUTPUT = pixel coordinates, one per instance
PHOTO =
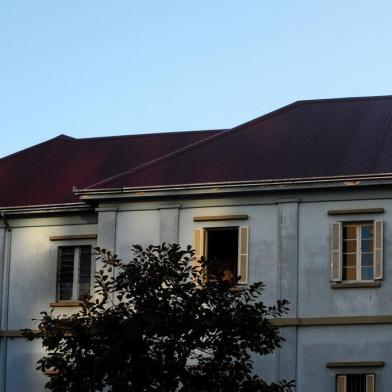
(47, 209)
(294, 184)
(4, 290)
(5, 220)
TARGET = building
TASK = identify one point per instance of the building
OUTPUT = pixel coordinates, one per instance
(302, 194)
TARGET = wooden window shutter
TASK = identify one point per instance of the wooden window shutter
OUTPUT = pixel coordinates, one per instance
(336, 252)
(243, 254)
(370, 383)
(341, 383)
(198, 246)
(378, 249)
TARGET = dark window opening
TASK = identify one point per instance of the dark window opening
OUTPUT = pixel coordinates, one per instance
(222, 248)
(65, 273)
(73, 272)
(84, 271)
(356, 383)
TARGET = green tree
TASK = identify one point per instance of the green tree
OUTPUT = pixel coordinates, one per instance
(158, 325)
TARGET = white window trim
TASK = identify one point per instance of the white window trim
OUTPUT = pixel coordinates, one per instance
(358, 227)
(204, 246)
(55, 246)
(342, 386)
(336, 253)
(76, 273)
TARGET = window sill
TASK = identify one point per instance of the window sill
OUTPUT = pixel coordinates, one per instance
(356, 285)
(65, 304)
(238, 289)
(355, 364)
(51, 372)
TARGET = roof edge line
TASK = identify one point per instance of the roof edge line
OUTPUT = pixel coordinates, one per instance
(59, 137)
(198, 144)
(233, 130)
(157, 160)
(46, 207)
(345, 99)
(150, 134)
(300, 180)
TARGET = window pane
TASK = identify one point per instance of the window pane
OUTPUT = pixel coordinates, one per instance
(367, 245)
(367, 260)
(366, 273)
(367, 231)
(349, 260)
(356, 382)
(349, 232)
(84, 271)
(349, 273)
(349, 246)
(65, 268)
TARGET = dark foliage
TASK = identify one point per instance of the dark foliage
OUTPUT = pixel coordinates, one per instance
(156, 326)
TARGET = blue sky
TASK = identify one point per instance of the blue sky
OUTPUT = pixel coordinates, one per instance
(98, 67)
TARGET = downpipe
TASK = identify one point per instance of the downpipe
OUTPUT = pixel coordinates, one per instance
(4, 291)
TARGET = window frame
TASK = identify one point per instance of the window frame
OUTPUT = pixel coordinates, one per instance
(208, 230)
(243, 248)
(336, 253)
(339, 388)
(358, 251)
(55, 249)
(77, 252)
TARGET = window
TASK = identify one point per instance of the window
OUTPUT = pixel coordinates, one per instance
(227, 246)
(356, 251)
(222, 248)
(73, 272)
(355, 383)
(358, 254)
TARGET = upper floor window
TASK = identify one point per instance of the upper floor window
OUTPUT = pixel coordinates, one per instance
(227, 246)
(222, 248)
(355, 383)
(73, 272)
(356, 251)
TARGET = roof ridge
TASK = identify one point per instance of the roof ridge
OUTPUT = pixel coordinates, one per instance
(197, 144)
(62, 136)
(152, 162)
(170, 133)
(231, 131)
(65, 137)
(345, 99)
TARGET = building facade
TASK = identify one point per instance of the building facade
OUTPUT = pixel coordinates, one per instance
(301, 198)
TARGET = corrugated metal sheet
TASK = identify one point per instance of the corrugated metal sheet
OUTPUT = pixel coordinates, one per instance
(319, 138)
(46, 173)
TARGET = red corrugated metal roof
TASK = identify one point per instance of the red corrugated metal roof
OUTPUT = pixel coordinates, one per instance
(319, 138)
(46, 173)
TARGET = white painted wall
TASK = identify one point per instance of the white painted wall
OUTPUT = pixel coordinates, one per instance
(34, 268)
(288, 238)
(319, 345)
(136, 227)
(315, 296)
(263, 231)
(32, 286)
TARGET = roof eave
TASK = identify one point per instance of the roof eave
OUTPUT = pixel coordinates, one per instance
(236, 187)
(78, 207)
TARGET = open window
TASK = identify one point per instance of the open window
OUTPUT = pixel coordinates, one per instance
(222, 249)
(357, 251)
(355, 383)
(227, 246)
